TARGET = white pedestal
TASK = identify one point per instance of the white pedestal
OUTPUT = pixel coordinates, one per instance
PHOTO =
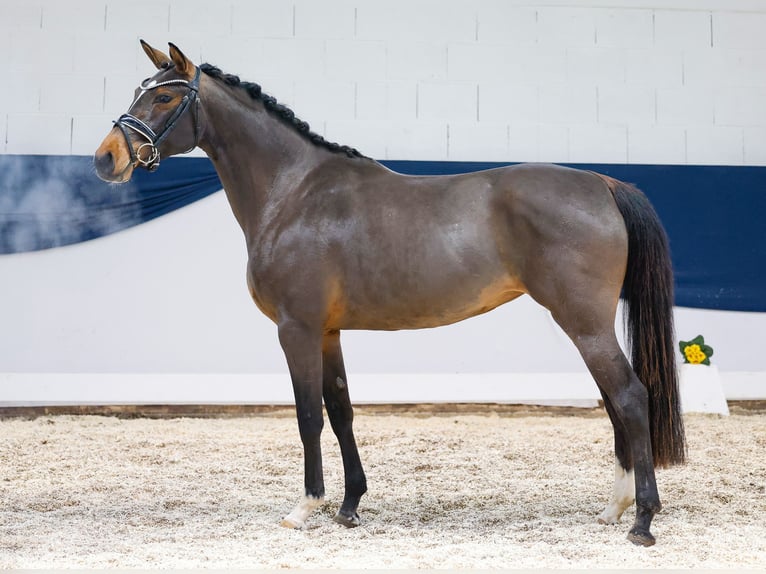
(701, 390)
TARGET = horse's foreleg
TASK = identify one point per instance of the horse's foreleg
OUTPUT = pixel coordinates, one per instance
(341, 415)
(302, 348)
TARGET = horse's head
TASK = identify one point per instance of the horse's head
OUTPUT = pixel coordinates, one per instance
(164, 119)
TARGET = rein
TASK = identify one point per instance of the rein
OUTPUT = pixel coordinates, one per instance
(128, 121)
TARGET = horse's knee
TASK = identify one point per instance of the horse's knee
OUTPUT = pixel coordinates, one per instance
(310, 425)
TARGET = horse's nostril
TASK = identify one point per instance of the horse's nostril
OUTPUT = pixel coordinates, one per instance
(104, 162)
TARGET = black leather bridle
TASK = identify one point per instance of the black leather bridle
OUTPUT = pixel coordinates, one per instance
(130, 122)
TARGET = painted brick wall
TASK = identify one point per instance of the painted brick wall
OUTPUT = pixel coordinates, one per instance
(641, 81)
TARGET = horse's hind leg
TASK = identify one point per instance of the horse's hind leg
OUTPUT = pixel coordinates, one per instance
(341, 415)
(624, 480)
(586, 313)
(630, 413)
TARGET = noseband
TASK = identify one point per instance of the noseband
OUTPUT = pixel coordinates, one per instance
(128, 121)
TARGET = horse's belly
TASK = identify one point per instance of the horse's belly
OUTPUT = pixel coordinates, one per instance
(427, 306)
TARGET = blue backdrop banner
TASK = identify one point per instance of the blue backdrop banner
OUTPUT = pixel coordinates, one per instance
(712, 213)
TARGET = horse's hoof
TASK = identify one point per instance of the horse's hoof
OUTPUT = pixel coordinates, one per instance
(348, 520)
(287, 522)
(608, 518)
(641, 537)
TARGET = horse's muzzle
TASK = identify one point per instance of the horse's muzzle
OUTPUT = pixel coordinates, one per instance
(104, 163)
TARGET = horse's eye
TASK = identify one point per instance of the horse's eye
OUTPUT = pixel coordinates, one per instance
(162, 99)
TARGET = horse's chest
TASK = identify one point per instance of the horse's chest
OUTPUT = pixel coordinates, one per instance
(261, 289)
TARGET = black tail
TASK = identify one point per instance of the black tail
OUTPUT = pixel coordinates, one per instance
(648, 294)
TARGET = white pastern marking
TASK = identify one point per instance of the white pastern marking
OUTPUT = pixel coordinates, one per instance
(297, 518)
(623, 497)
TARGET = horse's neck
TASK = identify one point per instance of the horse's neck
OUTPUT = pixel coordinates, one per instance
(258, 158)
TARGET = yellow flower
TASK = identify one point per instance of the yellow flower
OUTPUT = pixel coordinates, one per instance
(694, 354)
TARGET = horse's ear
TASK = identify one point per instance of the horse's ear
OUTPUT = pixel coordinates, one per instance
(159, 59)
(184, 66)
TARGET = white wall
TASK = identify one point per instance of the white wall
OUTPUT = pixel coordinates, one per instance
(679, 81)
(498, 80)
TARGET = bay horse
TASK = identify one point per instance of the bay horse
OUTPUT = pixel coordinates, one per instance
(337, 241)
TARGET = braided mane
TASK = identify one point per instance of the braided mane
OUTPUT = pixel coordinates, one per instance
(279, 110)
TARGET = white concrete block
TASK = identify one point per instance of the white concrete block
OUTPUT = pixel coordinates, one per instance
(320, 101)
(5, 42)
(41, 50)
(451, 101)
(523, 141)
(500, 22)
(715, 145)
(682, 29)
(418, 140)
(263, 18)
(595, 66)
(140, 18)
(496, 63)
(72, 94)
(544, 65)
(566, 26)
(408, 60)
(655, 67)
(240, 55)
(473, 141)
(598, 144)
(198, 18)
(350, 60)
(755, 146)
(688, 106)
(429, 20)
(20, 92)
(119, 91)
(372, 101)
(656, 145)
(739, 30)
(88, 131)
(368, 136)
(740, 107)
(626, 105)
(568, 104)
(298, 58)
(739, 68)
(330, 19)
(386, 101)
(714, 67)
(552, 143)
(39, 134)
(698, 67)
(18, 14)
(506, 103)
(112, 53)
(80, 15)
(624, 28)
(481, 62)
